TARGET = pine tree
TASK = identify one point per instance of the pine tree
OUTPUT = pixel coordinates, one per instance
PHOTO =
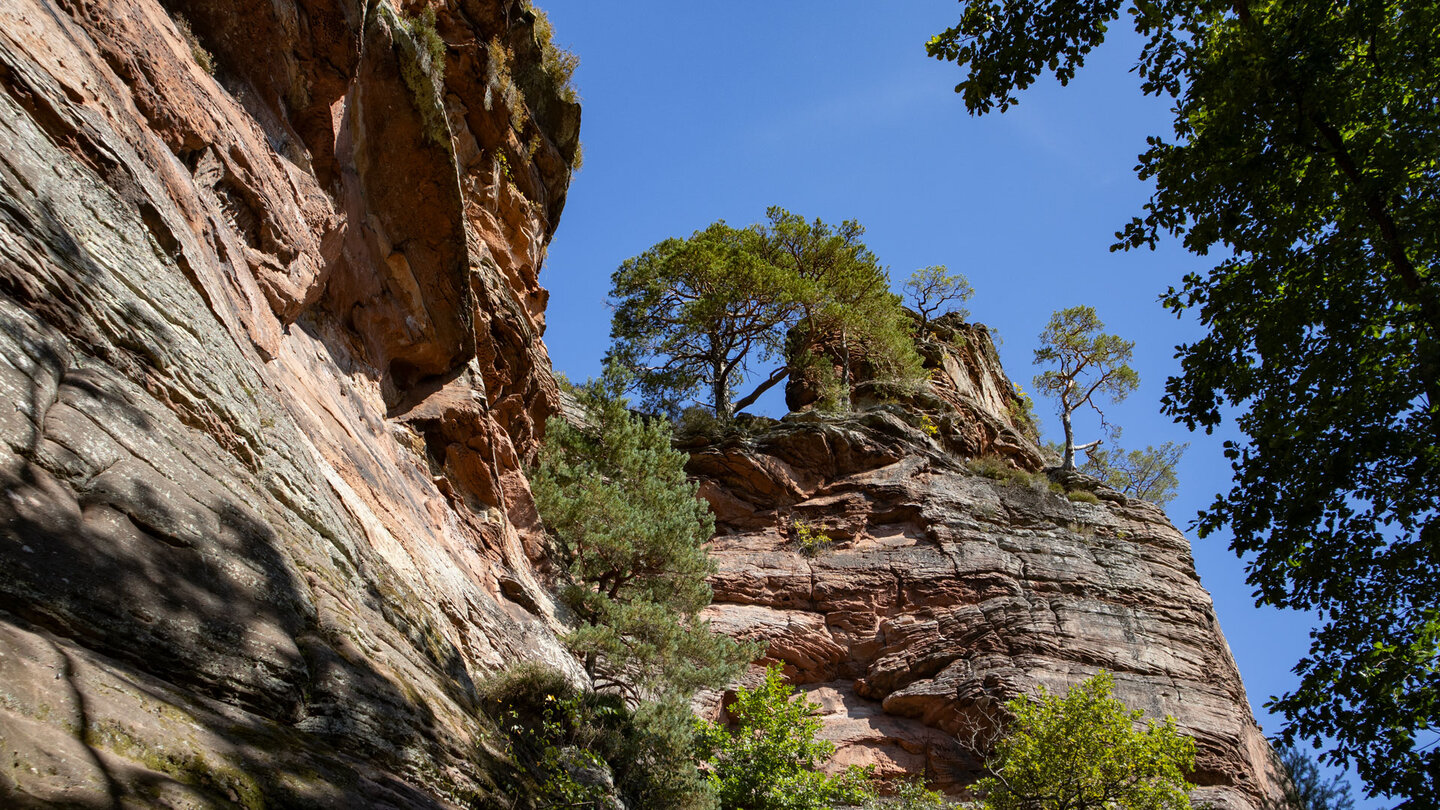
(630, 533)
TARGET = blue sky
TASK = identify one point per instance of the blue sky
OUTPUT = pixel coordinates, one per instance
(702, 111)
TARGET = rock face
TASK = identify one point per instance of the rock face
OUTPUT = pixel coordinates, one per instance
(942, 592)
(272, 340)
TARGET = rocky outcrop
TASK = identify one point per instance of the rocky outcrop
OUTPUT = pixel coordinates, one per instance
(272, 339)
(911, 589)
(270, 330)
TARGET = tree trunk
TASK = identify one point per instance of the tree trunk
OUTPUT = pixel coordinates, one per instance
(1068, 463)
(844, 371)
(721, 392)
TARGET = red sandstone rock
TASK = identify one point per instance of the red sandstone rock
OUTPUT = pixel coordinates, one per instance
(274, 353)
(945, 593)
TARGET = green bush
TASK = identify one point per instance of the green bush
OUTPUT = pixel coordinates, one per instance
(422, 66)
(1082, 496)
(558, 63)
(201, 56)
(812, 543)
(1083, 749)
(555, 733)
(770, 760)
(998, 469)
(911, 794)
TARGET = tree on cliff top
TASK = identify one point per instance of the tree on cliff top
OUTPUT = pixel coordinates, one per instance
(1147, 474)
(630, 531)
(1306, 154)
(1090, 364)
(701, 314)
(935, 291)
(1083, 751)
(693, 314)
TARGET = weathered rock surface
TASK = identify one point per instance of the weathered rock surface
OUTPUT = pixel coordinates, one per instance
(270, 350)
(270, 339)
(944, 593)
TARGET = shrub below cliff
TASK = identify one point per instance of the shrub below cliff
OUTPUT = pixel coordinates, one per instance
(579, 749)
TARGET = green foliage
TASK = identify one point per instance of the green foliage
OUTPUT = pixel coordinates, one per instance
(933, 291)
(1021, 410)
(1305, 156)
(422, 66)
(1309, 789)
(558, 63)
(555, 734)
(629, 531)
(500, 84)
(423, 69)
(812, 543)
(201, 56)
(1082, 496)
(1148, 474)
(699, 316)
(998, 469)
(694, 314)
(840, 291)
(770, 759)
(911, 794)
(1089, 363)
(1083, 750)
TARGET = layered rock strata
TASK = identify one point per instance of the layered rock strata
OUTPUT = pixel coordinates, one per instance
(270, 349)
(911, 595)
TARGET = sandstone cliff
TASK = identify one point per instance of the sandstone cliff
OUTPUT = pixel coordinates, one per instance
(272, 339)
(270, 330)
(912, 589)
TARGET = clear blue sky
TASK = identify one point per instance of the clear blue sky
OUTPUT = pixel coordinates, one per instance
(702, 111)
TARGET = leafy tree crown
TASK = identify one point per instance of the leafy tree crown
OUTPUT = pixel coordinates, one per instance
(1083, 751)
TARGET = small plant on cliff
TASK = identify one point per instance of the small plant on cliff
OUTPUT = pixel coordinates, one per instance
(557, 62)
(201, 56)
(629, 533)
(422, 66)
(934, 291)
(1021, 410)
(500, 84)
(928, 425)
(1083, 750)
(812, 542)
(1089, 364)
(998, 469)
(770, 759)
